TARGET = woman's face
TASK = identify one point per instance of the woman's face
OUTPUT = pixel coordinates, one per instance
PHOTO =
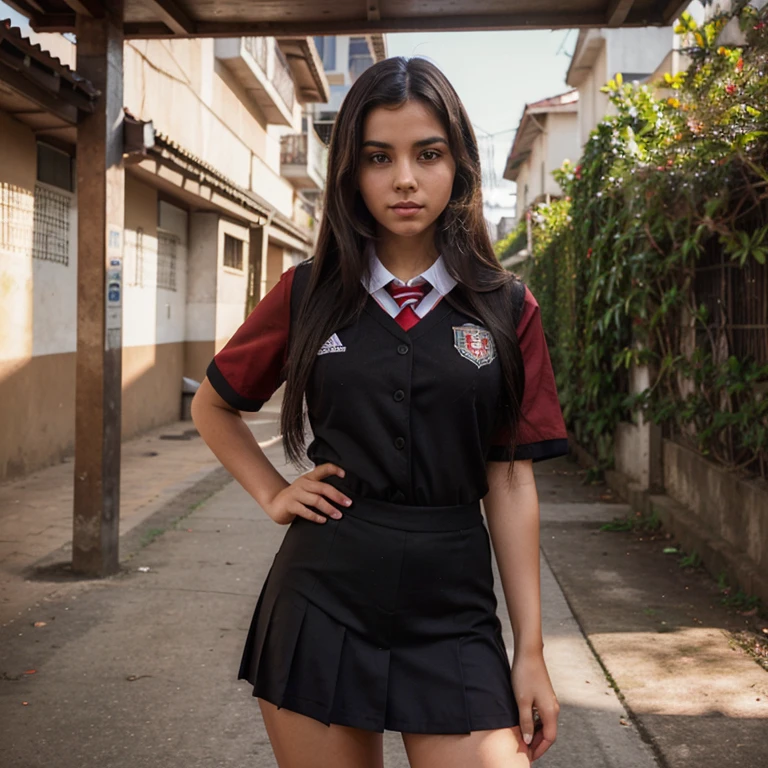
(406, 167)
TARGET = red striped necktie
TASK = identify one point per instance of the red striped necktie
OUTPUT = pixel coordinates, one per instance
(407, 297)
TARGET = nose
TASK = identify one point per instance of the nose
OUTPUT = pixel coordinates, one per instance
(404, 177)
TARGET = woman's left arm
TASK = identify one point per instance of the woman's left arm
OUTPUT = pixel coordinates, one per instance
(512, 512)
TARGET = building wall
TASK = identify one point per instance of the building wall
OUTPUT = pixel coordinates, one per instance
(37, 374)
(232, 285)
(38, 316)
(191, 97)
(154, 308)
(593, 104)
(562, 142)
(523, 199)
(633, 50)
(172, 328)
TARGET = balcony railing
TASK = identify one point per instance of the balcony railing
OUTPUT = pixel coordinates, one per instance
(262, 69)
(302, 159)
(257, 47)
(283, 79)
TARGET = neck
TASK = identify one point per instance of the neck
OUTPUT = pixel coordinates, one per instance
(406, 257)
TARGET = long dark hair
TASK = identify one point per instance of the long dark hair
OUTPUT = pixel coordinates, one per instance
(335, 295)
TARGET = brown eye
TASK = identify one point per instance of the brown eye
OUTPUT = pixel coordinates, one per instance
(373, 158)
(433, 154)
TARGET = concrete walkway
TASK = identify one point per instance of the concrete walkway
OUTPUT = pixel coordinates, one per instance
(139, 669)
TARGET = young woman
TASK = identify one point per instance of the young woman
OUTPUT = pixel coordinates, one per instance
(429, 388)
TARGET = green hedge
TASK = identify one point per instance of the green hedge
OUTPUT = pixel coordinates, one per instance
(662, 186)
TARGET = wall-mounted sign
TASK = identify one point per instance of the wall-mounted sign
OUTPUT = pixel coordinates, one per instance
(114, 288)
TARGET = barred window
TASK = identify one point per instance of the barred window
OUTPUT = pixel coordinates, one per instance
(16, 216)
(167, 247)
(233, 252)
(134, 271)
(50, 240)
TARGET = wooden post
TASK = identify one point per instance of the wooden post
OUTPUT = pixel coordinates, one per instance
(100, 211)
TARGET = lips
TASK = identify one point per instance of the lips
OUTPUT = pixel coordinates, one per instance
(407, 206)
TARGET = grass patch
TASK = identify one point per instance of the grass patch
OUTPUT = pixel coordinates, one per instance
(149, 536)
(637, 524)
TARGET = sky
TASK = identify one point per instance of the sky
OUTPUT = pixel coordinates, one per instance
(495, 74)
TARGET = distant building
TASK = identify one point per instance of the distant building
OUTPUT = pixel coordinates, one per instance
(545, 137)
(643, 54)
(344, 59)
(220, 166)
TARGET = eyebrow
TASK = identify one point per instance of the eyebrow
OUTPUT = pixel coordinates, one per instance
(418, 144)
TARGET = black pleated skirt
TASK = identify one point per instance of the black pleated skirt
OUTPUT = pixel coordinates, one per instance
(384, 620)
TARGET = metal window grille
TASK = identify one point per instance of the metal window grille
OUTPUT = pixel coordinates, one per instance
(233, 252)
(16, 216)
(737, 301)
(167, 246)
(137, 272)
(51, 225)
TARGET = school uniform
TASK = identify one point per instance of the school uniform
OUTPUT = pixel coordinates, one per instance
(386, 618)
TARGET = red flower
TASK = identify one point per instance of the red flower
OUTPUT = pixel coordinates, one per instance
(730, 88)
(740, 64)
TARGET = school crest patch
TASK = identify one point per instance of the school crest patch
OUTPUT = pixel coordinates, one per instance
(474, 343)
(332, 345)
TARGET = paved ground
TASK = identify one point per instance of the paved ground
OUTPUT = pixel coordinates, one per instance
(139, 669)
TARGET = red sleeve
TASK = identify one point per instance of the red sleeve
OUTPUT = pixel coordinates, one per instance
(248, 370)
(541, 433)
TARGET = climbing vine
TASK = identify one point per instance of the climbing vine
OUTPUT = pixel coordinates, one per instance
(657, 251)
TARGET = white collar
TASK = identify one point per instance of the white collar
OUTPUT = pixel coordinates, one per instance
(436, 275)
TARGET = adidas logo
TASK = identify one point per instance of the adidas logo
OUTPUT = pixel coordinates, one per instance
(332, 345)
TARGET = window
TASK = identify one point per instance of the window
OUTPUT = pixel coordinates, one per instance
(50, 241)
(137, 278)
(52, 205)
(17, 207)
(55, 167)
(233, 252)
(326, 47)
(167, 245)
(359, 57)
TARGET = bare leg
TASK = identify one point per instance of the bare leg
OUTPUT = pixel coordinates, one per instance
(502, 748)
(299, 742)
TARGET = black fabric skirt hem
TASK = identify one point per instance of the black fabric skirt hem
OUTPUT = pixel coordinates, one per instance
(384, 627)
(316, 710)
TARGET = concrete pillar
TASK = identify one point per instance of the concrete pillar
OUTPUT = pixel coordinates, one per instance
(100, 190)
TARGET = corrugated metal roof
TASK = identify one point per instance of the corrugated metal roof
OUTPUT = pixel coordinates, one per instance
(12, 39)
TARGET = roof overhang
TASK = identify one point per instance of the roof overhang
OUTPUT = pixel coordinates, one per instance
(588, 46)
(306, 68)
(40, 91)
(532, 123)
(289, 18)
